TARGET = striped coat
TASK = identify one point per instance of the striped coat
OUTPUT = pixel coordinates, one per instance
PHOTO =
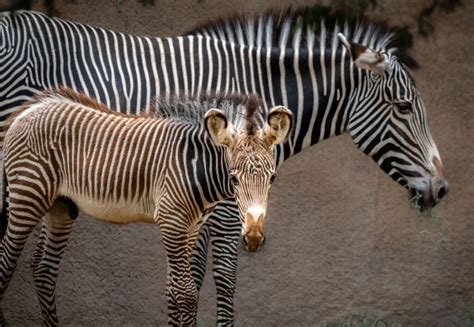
(168, 168)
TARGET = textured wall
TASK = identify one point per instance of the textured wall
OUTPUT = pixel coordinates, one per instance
(343, 241)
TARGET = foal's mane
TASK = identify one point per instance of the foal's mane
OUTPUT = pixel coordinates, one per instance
(77, 97)
(60, 93)
(240, 110)
(294, 28)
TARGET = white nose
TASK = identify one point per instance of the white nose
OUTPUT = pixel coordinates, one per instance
(256, 212)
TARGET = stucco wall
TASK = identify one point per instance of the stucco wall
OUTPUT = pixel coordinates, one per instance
(343, 241)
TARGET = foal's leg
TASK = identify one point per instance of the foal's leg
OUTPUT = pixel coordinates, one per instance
(225, 231)
(55, 231)
(181, 289)
(198, 258)
(24, 213)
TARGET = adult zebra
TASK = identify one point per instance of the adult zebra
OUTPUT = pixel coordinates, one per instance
(360, 85)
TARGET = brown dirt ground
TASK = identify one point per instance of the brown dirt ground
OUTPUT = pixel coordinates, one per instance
(343, 241)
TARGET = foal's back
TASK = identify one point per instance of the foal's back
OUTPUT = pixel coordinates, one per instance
(109, 164)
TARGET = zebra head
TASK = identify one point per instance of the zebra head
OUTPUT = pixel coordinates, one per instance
(389, 123)
(252, 164)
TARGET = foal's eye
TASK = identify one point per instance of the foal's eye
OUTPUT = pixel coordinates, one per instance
(234, 180)
(404, 107)
(272, 179)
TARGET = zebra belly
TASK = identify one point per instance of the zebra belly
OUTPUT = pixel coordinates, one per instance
(122, 212)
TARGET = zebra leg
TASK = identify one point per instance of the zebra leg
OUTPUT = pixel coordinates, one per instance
(173, 310)
(182, 293)
(181, 290)
(199, 254)
(25, 213)
(55, 231)
(225, 231)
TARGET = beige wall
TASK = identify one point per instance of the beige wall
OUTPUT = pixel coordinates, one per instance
(343, 241)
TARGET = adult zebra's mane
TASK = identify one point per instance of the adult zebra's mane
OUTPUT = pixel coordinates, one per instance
(294, 28)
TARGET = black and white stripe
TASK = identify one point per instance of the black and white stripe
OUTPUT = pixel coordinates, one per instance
(64, 152)
(277, 56)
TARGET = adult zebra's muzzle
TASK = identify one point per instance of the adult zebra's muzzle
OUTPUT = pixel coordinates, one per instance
(430, 196)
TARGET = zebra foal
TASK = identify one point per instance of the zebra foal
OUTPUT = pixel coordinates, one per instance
(66, 153)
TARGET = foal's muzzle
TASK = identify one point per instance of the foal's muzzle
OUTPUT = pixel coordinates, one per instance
(252, 231)
(253, 244)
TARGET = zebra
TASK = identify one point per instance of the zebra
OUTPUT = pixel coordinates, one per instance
(336, 78)
(66, 153)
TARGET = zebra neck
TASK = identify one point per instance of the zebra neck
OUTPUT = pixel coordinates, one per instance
(208, 171)
(200, 165)
(317, 85)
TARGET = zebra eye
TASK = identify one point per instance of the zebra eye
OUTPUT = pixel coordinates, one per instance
(234, 180)
(272, 179)
(404, 107)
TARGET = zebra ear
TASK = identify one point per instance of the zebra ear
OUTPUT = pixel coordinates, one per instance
(365, 57)
(279, 123)
(219, 129)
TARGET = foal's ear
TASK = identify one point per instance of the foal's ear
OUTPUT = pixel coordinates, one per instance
(219, 129)
(279, 123)
(364, 57)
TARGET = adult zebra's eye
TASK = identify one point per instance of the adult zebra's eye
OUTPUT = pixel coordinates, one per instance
(404, 107)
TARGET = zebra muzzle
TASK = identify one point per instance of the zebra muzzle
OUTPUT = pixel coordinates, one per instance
(253, 236)
(431, 196)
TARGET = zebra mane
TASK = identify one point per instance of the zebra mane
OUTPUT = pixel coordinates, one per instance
(241, 110)
(294, 28)
(77, 97)
(61, 92)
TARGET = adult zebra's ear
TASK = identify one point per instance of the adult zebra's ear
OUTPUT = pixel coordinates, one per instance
(364, 57)
(279, 123)
(219, 129)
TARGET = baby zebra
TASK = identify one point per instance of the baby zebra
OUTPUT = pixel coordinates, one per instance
(66, 153)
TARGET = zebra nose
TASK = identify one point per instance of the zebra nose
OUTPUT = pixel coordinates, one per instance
(443, 190)
(253, 244)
